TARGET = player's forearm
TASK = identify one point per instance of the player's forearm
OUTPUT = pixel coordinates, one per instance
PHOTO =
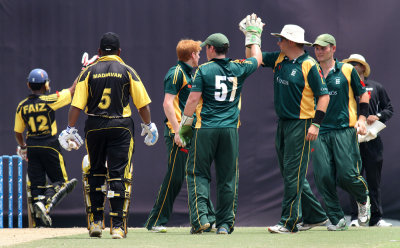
(364, 98)
(73, 115)
(72, 88)
(191, 103)
(20, 139)
(254, 51)
(170, 114)
(144, 113)
(322, 103)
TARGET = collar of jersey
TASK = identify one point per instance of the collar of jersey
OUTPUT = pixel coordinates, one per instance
(111, 58)
(187, 68)
(226, 60)
(298, 60)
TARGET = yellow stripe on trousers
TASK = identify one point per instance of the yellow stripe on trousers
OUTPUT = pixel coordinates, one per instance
(298, 177)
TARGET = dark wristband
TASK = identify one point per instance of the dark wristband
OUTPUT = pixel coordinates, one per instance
(319, 117)
(364, 109)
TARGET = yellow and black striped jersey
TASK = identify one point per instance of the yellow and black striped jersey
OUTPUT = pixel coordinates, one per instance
(104, 89)
(37, 113)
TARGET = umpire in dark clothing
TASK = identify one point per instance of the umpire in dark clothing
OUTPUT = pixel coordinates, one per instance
(380, 109)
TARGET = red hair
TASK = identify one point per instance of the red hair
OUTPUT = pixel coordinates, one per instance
(185, 48)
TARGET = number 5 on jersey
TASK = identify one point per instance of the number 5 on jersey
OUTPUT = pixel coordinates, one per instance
(219, 85)
(105, 99)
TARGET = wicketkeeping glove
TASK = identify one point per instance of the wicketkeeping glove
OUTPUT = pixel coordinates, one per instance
(252, 27)
(70, 139)
(185, 129)
(22, 152)
(152, 133)
(86, 61)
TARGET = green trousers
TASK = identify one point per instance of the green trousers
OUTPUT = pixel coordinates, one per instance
(220, 145)
(171, 185)
(337, 160)
(294, 154)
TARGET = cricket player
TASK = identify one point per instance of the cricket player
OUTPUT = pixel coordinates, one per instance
(216, 92)
(103, 90)
(298, 85)
(177, 85)
(36, 113)
(336, 156)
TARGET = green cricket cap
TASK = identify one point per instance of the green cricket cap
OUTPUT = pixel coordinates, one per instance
(216, 40)
(324, 40)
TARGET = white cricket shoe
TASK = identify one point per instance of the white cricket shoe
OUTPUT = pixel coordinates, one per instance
(117, 233)
(382, 223)
(364, 212)
(354, 223)
(305, 227)
(340, 226)
(41, 213)
(159, 229)
(95, 229)
(278, 229)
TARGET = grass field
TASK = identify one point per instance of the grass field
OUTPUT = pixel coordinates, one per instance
(241, 237)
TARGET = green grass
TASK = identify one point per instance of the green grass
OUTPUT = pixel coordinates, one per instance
(241, 237)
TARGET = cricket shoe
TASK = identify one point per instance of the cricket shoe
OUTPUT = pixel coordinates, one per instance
(278, 229)
(159, 229)
(340, 226)
(41, 213)
(95, 229)
(222, 230)
(364, 212)
(382, 223)
(212, 228)
(117, 233)
(305, 227)
(200, 230)
(354, 223)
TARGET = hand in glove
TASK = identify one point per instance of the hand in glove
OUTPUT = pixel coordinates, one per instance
(185, 130)
(152, 133)
(86, 61)
(252, 27)
(70, 139)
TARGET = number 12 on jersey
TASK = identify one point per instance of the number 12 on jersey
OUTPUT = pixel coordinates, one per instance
(221, 85)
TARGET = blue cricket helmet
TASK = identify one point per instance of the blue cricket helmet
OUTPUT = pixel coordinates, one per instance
(38, 76)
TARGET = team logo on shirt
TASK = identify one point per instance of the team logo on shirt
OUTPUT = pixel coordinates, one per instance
(293, 73)
(337, 80)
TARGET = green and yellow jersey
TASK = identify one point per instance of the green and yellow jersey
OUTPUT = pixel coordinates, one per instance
(37, 114)
(297, 84)
(104, 89)
(178, 82)
(221, 81)
(344, 86)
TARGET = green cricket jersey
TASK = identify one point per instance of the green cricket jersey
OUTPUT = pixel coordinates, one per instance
(344, 86)
(178, 82)
(221, 81)
(297, 83)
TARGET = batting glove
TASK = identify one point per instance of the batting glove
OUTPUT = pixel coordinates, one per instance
(70, 139)
(22, 152)
(185, 129)
(152, 133)
(86, 61)
(252, 27)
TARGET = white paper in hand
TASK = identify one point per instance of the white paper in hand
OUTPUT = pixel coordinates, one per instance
(372, 131)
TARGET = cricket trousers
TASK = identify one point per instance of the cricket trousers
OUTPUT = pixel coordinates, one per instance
(172, 183)
(220, 145)
(293, 155)
(372, 161)
(337, 160)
